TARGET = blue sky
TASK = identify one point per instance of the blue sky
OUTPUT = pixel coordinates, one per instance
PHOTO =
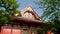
(25, 3)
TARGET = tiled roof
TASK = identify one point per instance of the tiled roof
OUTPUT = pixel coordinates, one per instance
(29, 8)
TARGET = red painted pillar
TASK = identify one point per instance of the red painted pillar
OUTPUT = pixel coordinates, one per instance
(2, 30)
(49, 32)
(21, 30)
(11, 30)
(29, 31)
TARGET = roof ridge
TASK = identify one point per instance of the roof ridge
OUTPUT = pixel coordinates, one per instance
(32, 10)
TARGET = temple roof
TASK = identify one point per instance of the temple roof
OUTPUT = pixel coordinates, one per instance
(21, 20)
(30, 9)
(29, 16)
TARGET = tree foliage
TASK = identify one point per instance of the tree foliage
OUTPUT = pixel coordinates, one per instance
(7, 9)
(51, 10)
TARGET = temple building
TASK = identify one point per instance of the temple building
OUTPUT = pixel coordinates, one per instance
(28, 23)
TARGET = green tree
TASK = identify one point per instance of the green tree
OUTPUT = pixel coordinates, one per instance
(7, 9)
(51, 10)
